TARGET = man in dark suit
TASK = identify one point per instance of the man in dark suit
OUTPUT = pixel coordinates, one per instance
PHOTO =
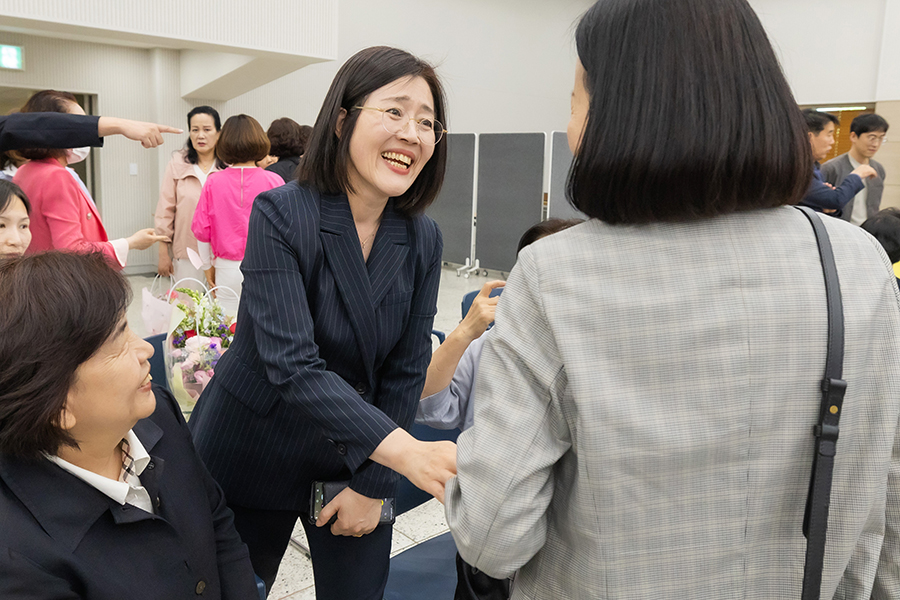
(867, 133)
(822, 196)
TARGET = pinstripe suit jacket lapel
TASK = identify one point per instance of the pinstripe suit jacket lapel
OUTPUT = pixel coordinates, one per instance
(362, 285)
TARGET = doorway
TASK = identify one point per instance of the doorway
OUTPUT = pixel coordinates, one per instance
(13, 98)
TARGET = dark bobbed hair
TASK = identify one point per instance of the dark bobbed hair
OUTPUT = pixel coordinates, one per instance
(242, 140)
(690, 115)
(326, 163)
(9, 190)
(543, 229)
(816, 120)
(58, 309)
(46, 101)
(287, 137)
(884, 226)
(867, 123)
(191, 154)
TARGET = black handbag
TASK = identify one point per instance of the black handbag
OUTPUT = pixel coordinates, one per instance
(815, 521)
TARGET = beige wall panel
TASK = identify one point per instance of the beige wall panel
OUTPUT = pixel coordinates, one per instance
(889, 154)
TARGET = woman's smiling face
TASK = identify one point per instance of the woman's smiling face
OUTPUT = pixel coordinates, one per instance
(385, 165)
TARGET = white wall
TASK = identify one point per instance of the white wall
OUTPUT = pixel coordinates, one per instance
(831, 50)
(508, 65)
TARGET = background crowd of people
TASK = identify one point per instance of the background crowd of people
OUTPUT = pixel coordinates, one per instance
(638, 421)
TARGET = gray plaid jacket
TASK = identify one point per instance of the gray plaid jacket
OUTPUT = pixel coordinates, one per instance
(644, 413)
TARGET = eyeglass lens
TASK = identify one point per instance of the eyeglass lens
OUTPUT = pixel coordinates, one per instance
(428, 130)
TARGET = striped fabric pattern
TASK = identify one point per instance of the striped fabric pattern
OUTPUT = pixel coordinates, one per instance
(330, 353)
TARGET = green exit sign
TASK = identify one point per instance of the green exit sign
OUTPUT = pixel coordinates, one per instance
(11, 57)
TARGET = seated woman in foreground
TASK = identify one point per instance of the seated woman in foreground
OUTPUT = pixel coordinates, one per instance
(101, 491)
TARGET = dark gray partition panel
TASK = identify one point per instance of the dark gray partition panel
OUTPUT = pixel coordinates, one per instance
(453, 208)
(510, 194)
(560, 161)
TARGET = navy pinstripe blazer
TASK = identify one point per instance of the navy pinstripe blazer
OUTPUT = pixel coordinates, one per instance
(330, 353)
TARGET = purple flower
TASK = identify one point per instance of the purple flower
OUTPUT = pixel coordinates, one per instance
(212, 346)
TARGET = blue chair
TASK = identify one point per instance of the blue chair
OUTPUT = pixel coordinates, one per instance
(158, 361)
(440, 335)
(469, 298)
(260, 587)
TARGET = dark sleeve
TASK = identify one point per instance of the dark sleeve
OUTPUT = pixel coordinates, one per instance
(48, 130)
(23, 579)
(283, 227)
(404, 371)
(820, 196)
(232, 557)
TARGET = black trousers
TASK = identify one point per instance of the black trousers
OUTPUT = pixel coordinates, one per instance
(344, 568)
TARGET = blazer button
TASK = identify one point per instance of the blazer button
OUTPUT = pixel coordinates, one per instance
(151, 465)
(201, 587)
(89, 216)
(361, 388)
(342, 449)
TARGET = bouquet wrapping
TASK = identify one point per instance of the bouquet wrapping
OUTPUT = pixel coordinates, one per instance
(199, 334)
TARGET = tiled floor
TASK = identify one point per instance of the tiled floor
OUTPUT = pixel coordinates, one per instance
(295, 578)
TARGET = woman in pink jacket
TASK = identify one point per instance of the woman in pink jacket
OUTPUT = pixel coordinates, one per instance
(223, 212)
(180, 190)
(64, 216)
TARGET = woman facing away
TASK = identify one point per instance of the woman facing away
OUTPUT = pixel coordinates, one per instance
(64, 216)
(223, 211)
(179, 193)
(322, 380)
(645, 403)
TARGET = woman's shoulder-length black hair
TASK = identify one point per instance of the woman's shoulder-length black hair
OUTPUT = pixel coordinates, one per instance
(690, 115)
(325, 164)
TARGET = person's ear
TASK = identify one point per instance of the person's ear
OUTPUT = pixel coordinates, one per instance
(853, 137)
(811, 136)
(67, 418)
(340, 122)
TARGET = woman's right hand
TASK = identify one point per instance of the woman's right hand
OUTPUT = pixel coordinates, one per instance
(144, 238)
(211, 279)
(427, 465)
(481, 313)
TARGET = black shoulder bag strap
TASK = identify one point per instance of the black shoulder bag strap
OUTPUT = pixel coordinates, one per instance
(815, 521)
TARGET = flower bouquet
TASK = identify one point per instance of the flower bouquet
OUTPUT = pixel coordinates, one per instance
(200, 332)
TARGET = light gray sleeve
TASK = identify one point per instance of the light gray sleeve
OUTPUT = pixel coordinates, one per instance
(451, 407)
(496, 506)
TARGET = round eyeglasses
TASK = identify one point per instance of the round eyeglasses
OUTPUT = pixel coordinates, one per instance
(395, 120)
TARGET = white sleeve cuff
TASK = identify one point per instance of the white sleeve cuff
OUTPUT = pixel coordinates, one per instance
(121, 248)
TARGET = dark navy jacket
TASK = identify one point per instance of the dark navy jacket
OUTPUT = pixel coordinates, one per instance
(61, 538)
(330, 352)
(821, 197)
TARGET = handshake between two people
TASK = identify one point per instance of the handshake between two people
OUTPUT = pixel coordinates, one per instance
(428, 465)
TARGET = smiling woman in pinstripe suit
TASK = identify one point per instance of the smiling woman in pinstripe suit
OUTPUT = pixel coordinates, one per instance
(333, 340)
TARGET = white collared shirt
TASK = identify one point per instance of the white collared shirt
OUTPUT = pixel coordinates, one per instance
(128, 489)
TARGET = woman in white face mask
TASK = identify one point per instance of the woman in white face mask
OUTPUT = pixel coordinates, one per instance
(64, 215)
